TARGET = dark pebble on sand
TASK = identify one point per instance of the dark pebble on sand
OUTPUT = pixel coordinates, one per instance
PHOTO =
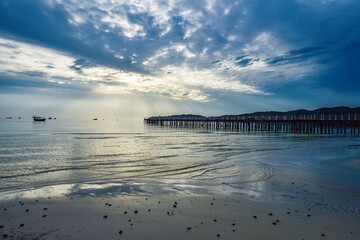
(174, 206)
(44, 216)
(215, 220)
(218, 235)
(233, 224)
(125, 212)
(45, 209)
(120, 232)
(159, 202)
(21, 225)
(270, 214)
(5, 235)
(233, 230)
(5, 209)
(1, 226)
(212, 203)
(175, 203)
(274, 223)
(323, 235)
(105, 216)
(129, 220)
(287, 212)
(255, 217)
(296, 211)
(188, 228)
(136, 211)
(277, 220)
(149, 210)
(168, 213)
(27, 210)
(309, 215)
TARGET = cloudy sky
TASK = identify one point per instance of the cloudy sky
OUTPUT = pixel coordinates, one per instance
(138, 58)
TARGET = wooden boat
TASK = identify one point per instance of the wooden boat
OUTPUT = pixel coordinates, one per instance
(39, 119)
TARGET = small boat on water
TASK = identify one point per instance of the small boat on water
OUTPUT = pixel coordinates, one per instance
(50, 118)
(39, 119)
(8, 117)
(95, 119)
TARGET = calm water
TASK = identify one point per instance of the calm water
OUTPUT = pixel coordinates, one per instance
(110, 157)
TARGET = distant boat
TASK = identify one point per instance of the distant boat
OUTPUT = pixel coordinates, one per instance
(8, 117)
(95, 119)
(19, 117)
(39, 119)
(54, 118)
(50, 118)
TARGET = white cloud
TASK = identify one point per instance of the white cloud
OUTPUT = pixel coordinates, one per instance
(176, 82)
(128, 29)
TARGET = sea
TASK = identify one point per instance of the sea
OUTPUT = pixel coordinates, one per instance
(110, 157)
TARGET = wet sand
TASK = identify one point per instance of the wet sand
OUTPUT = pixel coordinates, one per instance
(168, 217)
(353, 163)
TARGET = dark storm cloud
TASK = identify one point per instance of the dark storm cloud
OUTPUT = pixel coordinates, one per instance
(7, 45)
(79, 64)
(29, 82)
(38, 22)
(296, 55)
(244, 62)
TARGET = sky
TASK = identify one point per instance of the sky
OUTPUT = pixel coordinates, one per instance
(134, 59)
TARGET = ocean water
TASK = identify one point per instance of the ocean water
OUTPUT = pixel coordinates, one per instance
(113, 157)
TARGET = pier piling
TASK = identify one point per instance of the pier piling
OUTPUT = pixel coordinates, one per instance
(302, 124)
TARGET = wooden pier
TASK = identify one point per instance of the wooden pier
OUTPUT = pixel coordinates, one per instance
(303, 125)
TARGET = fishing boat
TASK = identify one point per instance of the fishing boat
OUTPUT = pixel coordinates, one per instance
(39, 119)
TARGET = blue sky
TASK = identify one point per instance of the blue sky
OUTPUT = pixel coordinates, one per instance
(140, 58)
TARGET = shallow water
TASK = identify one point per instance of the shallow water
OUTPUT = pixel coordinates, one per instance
(110, 157)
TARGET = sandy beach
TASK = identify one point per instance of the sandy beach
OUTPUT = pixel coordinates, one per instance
(168, 217)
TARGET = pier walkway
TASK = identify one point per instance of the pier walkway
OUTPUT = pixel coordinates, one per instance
(303, 124)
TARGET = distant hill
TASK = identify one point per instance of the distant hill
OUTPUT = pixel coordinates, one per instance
(334, 110)
(300, 113)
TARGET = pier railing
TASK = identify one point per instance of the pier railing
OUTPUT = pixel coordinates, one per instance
(304, 124)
